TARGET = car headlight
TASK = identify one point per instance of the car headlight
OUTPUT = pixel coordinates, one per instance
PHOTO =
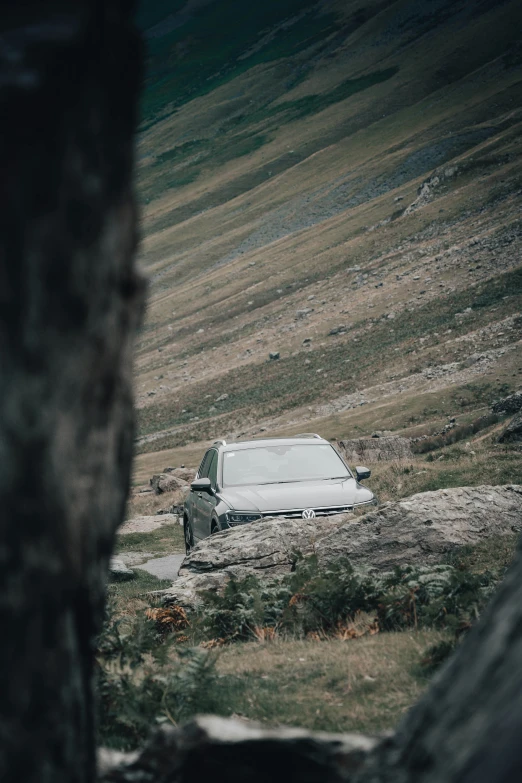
(372, 502)
(238, 518)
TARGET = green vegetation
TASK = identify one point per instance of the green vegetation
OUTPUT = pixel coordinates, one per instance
(183, 164)
(130, 599)
(458, 433)
(140, 684)
(288, 383)
(192, 158)
(311, 104)
(453, 466)
(350, 650)
(364, 684)
(164, 540)
(144, 680)
(212, 46)
(340, 599)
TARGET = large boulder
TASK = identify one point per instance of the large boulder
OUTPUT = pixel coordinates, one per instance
(266, 548)
(419, 530)
(232, 750)
(422, 529)
(507, 405)
(167, 482)
(367, 450)
(513, 431)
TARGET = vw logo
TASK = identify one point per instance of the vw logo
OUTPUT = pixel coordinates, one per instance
(308, 514)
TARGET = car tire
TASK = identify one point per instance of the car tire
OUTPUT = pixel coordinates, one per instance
(189, 538)
(214, 527)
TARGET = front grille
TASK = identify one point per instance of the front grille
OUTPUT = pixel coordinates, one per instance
(296, 513)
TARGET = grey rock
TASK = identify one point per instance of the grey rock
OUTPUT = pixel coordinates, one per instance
(132, 559)
(419, 530)
(375, 449)
(119, 572)
(513, 431)
(511, 404)
(304, 313)
(166, 482)
(185, 474)
(229, 749)
(422, 529)
(337, 330)
(265, 548)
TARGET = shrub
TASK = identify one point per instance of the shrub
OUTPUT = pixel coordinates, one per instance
(141, 681)
(456, 434)
(314, 601)
(434, 656)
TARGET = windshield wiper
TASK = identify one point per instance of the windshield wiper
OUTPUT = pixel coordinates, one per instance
(291, 481)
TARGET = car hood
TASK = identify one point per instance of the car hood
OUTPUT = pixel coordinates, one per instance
(296, 495)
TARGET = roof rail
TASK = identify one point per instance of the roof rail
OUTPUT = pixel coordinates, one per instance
(307, 435)
(219, 443)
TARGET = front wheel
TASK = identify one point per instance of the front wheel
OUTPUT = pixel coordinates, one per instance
(189, 540)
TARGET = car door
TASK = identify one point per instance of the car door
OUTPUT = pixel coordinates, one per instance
(193, 497)
(207, 502)
(202, 507)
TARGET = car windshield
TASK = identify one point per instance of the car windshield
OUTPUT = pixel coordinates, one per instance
(281, 464)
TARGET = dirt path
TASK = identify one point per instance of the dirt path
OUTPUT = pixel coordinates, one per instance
(164, 567)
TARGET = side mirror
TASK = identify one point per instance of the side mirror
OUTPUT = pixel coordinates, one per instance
(362, 473)
(202, 485)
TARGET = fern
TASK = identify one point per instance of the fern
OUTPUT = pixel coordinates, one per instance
(191, 684)
(140, 683)
(314, 601)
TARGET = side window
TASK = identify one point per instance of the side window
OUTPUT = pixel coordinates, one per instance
(212, 471)
(205, 462)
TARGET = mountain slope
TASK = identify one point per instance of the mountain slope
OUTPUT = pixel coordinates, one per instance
(322, 165)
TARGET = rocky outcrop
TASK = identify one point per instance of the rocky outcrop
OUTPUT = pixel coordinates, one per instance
(266, 548)
(425, 192)
(508, 405)
(227, 749)
(167, 482)
(513, 431)
(423, 528)
(375, 449)
(186, 474)
(119, 572)
(418, 530)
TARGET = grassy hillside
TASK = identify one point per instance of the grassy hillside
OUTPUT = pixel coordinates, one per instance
(306, 166)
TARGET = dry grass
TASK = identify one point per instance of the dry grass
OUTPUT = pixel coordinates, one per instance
(364, 684)
(453, 466)
(166, 540)
(148, 504)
